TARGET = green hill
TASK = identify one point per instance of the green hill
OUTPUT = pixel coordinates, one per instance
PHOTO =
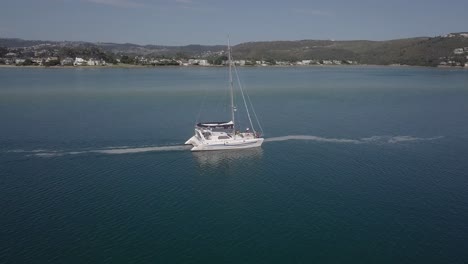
(422, 51)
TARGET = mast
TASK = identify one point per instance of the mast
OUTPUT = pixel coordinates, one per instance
(231, 87)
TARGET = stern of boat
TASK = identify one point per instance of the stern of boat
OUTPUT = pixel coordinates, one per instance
(191, 141)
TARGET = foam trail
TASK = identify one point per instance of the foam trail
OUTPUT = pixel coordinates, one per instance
(50, 154)
(139, 150)
(312, 138)
(112, 151)
(398, 139)
(373, 139)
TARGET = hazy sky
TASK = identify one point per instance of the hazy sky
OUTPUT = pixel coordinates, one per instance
(180, 22)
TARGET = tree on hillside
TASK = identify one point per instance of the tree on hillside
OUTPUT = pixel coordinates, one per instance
(108, 57)
(127, 60)
(218, 60)
(27, 62)
(270, 61)
(69, 52)
(3, 51)
(52, 63)
(181, 55)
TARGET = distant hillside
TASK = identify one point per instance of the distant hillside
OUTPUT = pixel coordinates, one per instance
(413, 51)
(116, 48)
(16, 42)
(424, 51)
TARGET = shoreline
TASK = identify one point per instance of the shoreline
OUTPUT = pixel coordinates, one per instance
(132, 66)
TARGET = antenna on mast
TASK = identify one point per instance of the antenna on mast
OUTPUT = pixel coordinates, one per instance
(231, 87)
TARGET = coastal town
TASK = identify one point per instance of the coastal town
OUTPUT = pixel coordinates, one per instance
(451, 62)
(19, 52)
(41, 55)
(12, 59)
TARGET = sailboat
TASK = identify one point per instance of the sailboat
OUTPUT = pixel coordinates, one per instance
(224, 135)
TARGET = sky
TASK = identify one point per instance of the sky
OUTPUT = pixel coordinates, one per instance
(208, 22)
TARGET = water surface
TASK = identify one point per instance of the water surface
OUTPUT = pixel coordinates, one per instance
(360, 164)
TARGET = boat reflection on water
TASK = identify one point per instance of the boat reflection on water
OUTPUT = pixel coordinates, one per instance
(225, 157)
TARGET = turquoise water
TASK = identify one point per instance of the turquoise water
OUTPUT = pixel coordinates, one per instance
(360, 164)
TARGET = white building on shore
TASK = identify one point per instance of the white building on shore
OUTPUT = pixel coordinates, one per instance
(203, 63)
(458, 51)
(79, 62)
(95, 62)
(19, 61)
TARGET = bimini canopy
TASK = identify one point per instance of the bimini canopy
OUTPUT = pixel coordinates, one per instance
(224, 125)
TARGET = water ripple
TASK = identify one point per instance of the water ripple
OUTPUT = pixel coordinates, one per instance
(373, 139)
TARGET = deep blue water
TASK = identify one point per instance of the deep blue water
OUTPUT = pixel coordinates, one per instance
(360, 165)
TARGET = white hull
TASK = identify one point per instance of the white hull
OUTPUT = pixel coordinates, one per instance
(235, 143)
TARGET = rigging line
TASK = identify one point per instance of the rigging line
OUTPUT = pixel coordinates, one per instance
(226, 102)
(243, 98)
(255, 114)
(251, 105)
(202, 104)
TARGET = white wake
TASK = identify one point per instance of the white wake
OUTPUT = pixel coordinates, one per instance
(373, 139)
(112, 151)
(116, 150)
